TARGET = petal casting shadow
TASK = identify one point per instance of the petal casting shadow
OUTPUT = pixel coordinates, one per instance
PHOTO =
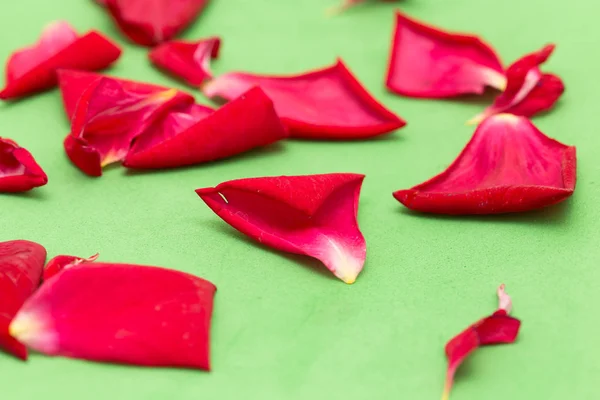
(19, 172)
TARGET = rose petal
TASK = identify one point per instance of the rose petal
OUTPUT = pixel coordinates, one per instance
(62, 262)
(19, 172)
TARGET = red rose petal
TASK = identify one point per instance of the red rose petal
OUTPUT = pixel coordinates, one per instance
(189, 61)
(59, 263)
(18, 170)
(346, 4)
(33, 69)
(313, 215)
(198, 134)
(151, 22)
(21, 264)
(498, 328)
(528, 91)
(325, 104)
(507, 166)
(428, 62)
(120, 313)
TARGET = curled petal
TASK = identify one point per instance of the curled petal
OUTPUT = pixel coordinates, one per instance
(19, 172)
(59, 263)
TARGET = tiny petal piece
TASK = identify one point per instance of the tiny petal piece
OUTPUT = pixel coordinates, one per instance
(507, 166)
(59, 263)
(21, 264)
(33, 69)
(498, 328)
(19, 172)
(346, 4)
(199, 134)
(120, 313)
(189, 61)
(313, 215)
(325, 104)
(152, 22)
(431, 63)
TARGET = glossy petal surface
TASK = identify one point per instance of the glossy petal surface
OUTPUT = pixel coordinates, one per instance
(19, 172)
(59, 263)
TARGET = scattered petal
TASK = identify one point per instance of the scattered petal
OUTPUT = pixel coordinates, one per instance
(313, 215)
(346, 4)
(189, 61)
(62, 262)
(507, 166)
(18, 170)
(431, 63)
(325, 104)
(120, 313)
(33, 69)
(21, 264)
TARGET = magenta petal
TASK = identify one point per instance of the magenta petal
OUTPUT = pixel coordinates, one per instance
(120, 313)
(314, 215)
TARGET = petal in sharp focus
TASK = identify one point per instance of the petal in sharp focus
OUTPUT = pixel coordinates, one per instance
(19, 172)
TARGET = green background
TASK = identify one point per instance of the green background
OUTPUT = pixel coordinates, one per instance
(282, 328)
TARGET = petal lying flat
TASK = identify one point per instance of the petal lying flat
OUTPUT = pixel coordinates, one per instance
(508, 166)
(19, 172)
(199, 134)
(189, 61)
(21, 264)
(428, 62)
(325, 104)
(346, 4)
(149, 22)
(59, 263)
(120, 313)
(314, 215)
(33, 69)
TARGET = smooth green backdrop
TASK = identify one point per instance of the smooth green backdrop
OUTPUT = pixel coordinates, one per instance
(282, 328)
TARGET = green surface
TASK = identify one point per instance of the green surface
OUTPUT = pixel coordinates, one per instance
(281, 329)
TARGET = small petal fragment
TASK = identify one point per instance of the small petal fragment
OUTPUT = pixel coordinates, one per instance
(198, 134)
(508, 166)
(189, 61)
(19, 172)
(313, 215)
(325, 104)
(33, 69)
(120, 313)
(431, 63)
(21, 264)
(59, 263)
(346, 4)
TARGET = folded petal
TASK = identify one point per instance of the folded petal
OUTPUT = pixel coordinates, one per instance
(428, 62)
(120, 313)
(199, 134)
(59, 263)
(21, 264)
(33, 69)
(19, 172)
(508, 166)
(313, 215)
(189, 61)
(325, 104)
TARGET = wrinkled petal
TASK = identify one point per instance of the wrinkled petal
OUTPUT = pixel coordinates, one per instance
(151, 22)
(189, 61)
(59, 263)
(325, 104)
(19, 172)
(313, 215)
(199, 134)
(21, 264)
(508, 166)
(120, 313)
(33, 69)
(431, 63)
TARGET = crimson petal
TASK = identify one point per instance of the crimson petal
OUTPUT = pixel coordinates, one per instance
(346, 4)
(431, 63)
(33, 69)
(325, 104)
(189, 61)
(19, 172)
(313, 215)
(507, 166)
(61, 262)
(121, 313)
(21, 264)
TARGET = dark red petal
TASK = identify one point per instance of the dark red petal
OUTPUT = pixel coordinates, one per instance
(199, 135)
(507, 166)
(151, 22)
(428, 62)
(325, 104)
(189, 61)
(59, 263)
(33, 69)
(120, 313)
(19, 172)
(21, 264)
(314, 215)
